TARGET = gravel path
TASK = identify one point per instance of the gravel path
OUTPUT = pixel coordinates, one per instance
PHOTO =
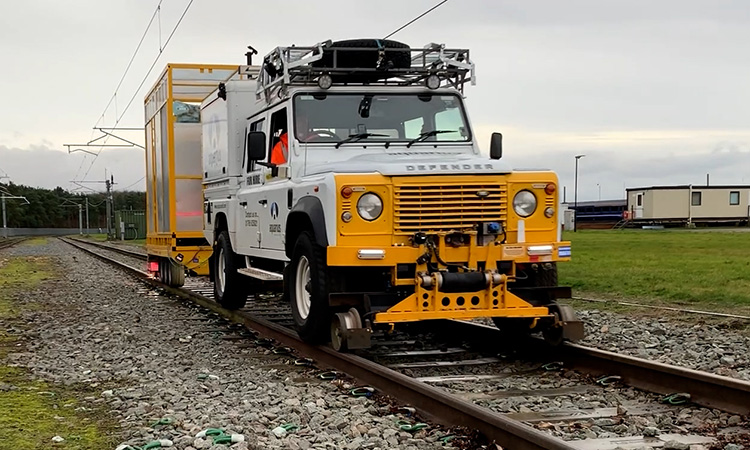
(154, 357)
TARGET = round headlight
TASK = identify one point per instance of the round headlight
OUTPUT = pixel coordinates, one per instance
(369, 206)
(524, 203)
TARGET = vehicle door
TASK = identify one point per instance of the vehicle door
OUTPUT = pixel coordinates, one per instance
(249, 233)
(273, 195)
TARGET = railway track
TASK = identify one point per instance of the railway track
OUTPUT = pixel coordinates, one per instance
(10, 242)
(391, 368)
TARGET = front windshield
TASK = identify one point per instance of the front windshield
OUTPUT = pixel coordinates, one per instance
(325, 117)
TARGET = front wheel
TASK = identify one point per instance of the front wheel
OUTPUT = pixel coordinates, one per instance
(228, 289)
(308, 290)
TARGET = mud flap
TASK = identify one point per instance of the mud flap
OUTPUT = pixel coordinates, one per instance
(572, 325)
(358, 338)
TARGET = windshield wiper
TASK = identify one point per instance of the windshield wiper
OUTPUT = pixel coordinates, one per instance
(357, 137)
(427, 134)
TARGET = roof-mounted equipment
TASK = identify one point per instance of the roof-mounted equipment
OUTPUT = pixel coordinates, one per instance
(363, 62)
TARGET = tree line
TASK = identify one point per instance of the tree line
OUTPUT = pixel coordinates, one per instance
(56, 208)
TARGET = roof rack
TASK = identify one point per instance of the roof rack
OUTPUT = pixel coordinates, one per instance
(303, 66)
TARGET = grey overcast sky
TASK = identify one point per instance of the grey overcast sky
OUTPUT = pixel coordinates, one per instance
(652, 92)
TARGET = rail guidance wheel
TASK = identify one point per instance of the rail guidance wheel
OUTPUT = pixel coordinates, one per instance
(308, 290)
(228, 288)
(340, 325)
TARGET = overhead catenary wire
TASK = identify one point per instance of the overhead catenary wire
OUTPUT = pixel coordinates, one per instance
(130, 63)
(113, 98)
(145, 78)
(417, 18)
(161, 50)
(133, 184)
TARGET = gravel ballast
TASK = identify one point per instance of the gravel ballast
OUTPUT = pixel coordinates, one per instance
(700, 346)
(154, 357)
(710, 347)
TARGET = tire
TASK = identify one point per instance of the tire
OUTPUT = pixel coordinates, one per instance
(162, 271)
(308, 290)
(544, 275)
(229, 291)
(396, 53)
(176, 274)
(547, 275)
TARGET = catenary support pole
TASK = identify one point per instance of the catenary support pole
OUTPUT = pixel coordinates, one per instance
(110, 232)
(575, 196)
(5, 221)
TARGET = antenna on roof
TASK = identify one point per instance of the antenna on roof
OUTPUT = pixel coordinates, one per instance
(249, 55)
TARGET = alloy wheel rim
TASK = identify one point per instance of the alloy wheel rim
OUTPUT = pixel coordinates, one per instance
(302, 288)
(220, 272)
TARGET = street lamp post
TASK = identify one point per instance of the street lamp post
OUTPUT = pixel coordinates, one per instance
(575, 196)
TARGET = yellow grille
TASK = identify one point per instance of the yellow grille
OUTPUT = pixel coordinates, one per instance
(447, 207)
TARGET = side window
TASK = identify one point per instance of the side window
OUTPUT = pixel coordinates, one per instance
(255, 126)
(696, 199)
(734, 197)
(639, 200)
(277, 133)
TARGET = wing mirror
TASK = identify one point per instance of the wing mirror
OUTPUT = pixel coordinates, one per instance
(496, 146)
(256, 146)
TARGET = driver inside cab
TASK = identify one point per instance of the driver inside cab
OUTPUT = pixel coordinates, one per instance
(280, 152)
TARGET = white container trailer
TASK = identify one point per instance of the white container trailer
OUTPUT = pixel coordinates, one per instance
(689, 204)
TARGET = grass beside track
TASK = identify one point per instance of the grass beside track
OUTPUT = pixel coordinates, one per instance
(32, 411)
(103, 238)
(701, 270)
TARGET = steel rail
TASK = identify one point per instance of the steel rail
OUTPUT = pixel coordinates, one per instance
(705, 389)
(11, 242)
(122, 251)
(431, 402)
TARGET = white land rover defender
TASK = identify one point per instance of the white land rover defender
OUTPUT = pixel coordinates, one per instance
(382, 209)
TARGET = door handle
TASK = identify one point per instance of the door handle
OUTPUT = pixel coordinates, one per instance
(243, 203)
(263, 202)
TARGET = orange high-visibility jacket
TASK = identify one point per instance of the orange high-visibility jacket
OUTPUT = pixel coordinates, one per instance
(280, 151)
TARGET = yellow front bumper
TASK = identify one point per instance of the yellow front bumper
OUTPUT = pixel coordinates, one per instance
(427, 304)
